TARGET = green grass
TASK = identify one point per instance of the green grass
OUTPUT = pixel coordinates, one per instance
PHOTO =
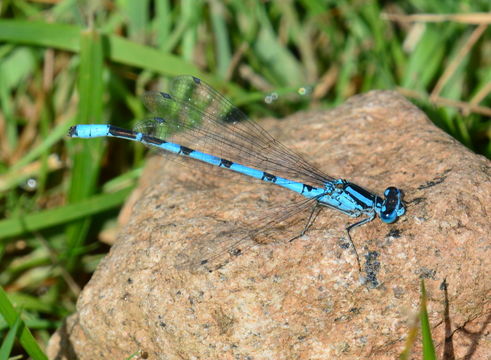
(428, 347)
(17, 329)
(79, 62)
(426, 339)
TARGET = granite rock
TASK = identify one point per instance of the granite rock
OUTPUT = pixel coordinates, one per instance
(303, 299)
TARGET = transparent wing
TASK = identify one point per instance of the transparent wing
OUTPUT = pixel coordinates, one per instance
(277, 224)
(197, 116)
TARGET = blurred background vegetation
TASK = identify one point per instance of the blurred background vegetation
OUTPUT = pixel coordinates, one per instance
(64, 62)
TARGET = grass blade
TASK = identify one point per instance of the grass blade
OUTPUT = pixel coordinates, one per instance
(224, 56)
(8, 342)
(428, 347)
(87, 155)
(61, 215)
(120, 50)
(25, 338)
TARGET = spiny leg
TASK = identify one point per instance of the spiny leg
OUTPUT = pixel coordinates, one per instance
(315, 210)
(348, 228)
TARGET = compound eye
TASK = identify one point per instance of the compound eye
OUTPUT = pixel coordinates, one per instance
(388, 217)
(392, 206)
(391, 191)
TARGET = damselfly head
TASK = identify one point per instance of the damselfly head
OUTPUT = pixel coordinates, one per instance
(392, 206)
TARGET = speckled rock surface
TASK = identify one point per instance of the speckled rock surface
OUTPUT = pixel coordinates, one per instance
(301, 299)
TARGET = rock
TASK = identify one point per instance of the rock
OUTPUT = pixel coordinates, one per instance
(301, 299)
